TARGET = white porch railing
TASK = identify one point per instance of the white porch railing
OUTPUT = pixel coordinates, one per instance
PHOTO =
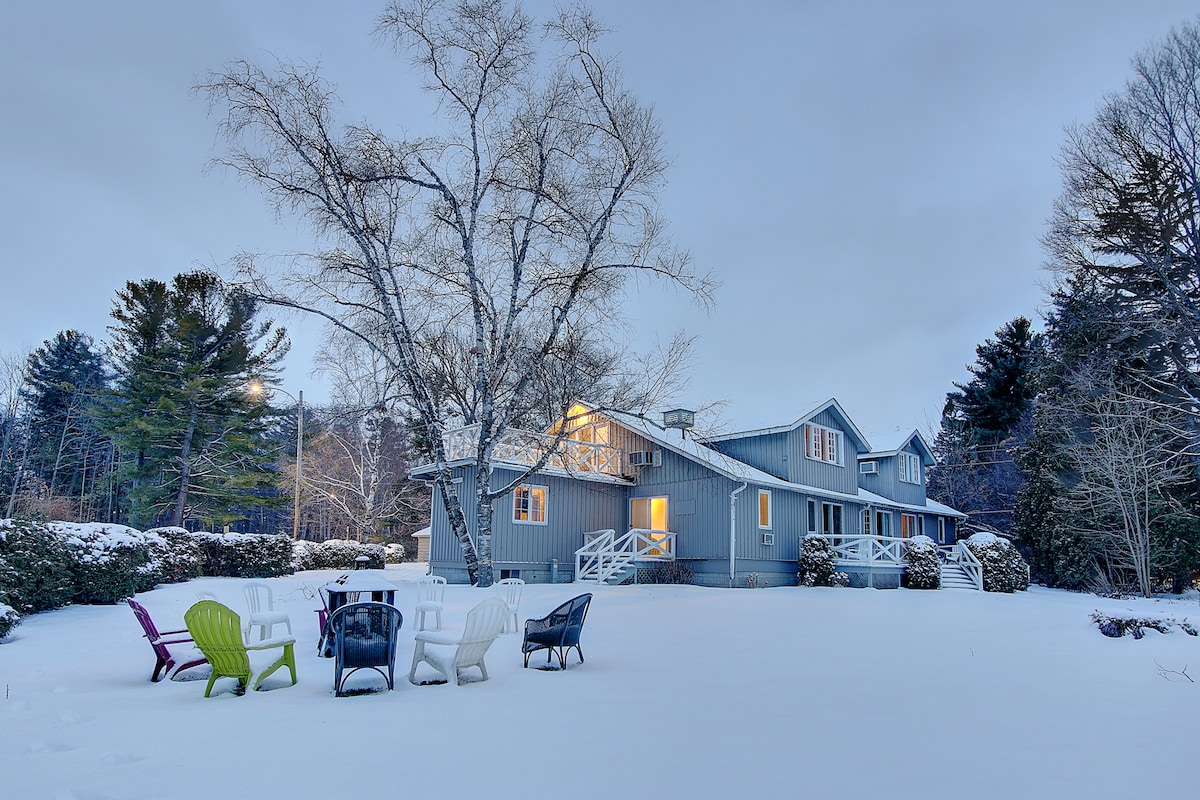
(850, 549)
(526, 447)
(961, 555)
(604, 554)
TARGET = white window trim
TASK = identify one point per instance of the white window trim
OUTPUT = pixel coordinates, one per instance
(866, 521)
(912, 529)
(812, 518)
(545, 504)
(910, 468)
(941, 530)
(650, 499)
(770, 509)
(880, 516)
(824, 432)
(821, 521)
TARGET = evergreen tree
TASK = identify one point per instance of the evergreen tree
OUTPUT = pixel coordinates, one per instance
(192, 442)
(66, 453)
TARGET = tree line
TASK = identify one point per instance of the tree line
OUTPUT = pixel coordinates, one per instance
(1082, 441)
(158, 426)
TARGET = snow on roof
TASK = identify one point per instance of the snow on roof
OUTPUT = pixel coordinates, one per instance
(831, 403)
(889, 444)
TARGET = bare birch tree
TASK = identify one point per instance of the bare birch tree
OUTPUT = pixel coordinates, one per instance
(514, 230)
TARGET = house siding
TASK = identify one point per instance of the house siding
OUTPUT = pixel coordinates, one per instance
(888, 484)
(767, 452)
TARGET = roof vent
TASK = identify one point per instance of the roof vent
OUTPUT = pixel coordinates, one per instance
(679, 418)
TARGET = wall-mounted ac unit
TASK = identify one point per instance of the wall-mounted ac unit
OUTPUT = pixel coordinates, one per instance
(645, 458)
(768, 538)
(868, 467)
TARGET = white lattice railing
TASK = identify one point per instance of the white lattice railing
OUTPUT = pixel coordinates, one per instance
(604, 554)
(862, 548)
(526, 447)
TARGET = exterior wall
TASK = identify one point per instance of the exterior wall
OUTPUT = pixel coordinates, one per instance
(697, 505)
(768, 452)
(888, 484)
(802, 469)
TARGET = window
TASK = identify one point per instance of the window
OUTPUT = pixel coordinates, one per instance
(764, 509)
(529, 504)
(649, 513)
(910, 468)
(866, 521)
(941, 530)
(883, 523)
(812, 516)
(908, 525)
(831, 518)
(505, 574)
(822, 444)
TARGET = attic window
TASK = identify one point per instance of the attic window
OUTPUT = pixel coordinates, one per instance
(910, 468)
(822, 444)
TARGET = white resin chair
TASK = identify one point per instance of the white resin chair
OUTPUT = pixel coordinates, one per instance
(450, 653)
(262, 611)
(430, 593)
(509, 590)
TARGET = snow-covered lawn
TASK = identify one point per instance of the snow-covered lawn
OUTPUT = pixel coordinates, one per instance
(686, 693)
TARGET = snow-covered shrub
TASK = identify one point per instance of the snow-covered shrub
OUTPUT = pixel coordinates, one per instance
(1117, 625)
(816, 562)
(110, 562)
(175, 555)
(336, 554)
(245, 555)
(922, 568)
(1003, 568)
(40, 563)
(393, 553)
(839, 579)
(9, 619)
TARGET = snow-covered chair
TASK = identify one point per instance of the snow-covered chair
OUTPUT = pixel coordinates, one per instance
(509, 590)
(262, 611)
(431, 591)
(484, 623)
(364, 636)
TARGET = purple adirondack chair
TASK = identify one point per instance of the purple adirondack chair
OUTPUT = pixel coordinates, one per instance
(165, 662)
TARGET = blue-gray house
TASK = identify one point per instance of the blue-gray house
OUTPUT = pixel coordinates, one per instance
(626, 494)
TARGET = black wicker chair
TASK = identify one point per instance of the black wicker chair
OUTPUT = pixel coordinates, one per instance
(363, 636)
(558, 631)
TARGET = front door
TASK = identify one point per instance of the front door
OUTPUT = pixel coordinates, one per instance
(650, 513)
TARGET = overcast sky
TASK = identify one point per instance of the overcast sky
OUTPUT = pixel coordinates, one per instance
(868, 180)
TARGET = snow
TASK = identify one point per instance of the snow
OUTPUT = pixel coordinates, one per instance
(686, 692)
(982, 538)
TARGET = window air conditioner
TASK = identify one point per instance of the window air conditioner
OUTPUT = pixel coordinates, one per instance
(645, 458)
(868, 467)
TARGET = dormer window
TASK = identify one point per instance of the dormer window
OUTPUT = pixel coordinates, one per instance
(822, 444)
(910, 468)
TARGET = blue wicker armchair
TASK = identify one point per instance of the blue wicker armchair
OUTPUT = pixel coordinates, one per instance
(558, 631)
(363, 636)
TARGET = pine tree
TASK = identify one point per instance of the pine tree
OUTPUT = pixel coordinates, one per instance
(192, 442)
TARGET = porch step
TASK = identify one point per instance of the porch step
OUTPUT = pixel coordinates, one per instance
(955, 577)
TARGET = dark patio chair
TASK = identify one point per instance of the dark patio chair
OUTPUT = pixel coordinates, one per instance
(558, 631)
(363, 636)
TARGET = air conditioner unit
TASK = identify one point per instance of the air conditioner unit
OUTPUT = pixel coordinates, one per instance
(768, 538)
(868, 467)
(645, 458)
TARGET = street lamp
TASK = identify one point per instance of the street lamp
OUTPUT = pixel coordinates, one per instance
(257, 389)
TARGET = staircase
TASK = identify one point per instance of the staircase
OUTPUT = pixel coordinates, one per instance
(608, 558)
(955, 577)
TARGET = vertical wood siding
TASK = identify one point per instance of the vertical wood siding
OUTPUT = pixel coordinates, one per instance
(768, 452)
(836, 477)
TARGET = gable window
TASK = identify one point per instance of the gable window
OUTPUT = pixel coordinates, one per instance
(529, 504)
(910, 468)
(883, 523)
(764, 509)
(822, 444)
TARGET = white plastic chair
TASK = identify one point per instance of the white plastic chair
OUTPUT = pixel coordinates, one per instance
(262, 611)
(430, 593)
(484, 623)
(509, 590)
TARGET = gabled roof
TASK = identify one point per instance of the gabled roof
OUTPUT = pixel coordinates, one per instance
(894, 443)
(831, 405)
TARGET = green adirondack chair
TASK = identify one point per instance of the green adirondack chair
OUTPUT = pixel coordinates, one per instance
(217, 631)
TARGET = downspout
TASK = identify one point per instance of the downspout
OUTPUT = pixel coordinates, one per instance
(733, 531)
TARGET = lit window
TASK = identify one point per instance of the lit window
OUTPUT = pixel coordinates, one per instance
(822, 444)
(764, 509)
(910, 468)
(529, 504)
(908, 525)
